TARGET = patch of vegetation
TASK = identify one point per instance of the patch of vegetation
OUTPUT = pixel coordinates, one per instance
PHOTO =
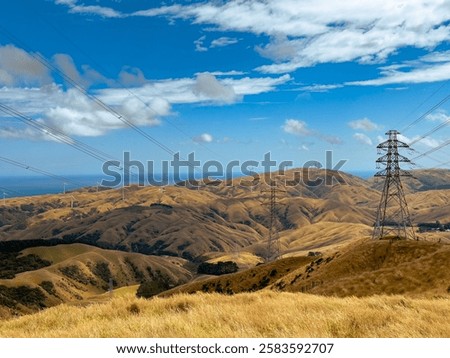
(220, 268)
(159, 283)
(49, 287)
(27, 207)
(152, 288)
(134, 309)
(138, 274)
(11, 263)
(264, 282)
(76, 274)
(101, 270)
(11, 297)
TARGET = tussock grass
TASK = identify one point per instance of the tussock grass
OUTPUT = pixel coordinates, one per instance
(262, 314)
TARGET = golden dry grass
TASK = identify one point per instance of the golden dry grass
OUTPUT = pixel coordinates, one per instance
(263, 314)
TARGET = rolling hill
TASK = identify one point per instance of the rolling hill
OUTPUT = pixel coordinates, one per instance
(76, 272)
(71, 239)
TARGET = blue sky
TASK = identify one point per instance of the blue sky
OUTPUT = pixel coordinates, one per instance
(227, 80)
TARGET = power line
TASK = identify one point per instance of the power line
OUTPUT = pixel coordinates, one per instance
(55, 134)
(423, 116)
(42, 60)
(120, 85)
(432, 150)
(441, 165)
(434, 130)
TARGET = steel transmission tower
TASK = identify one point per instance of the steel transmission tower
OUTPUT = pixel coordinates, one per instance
(273, 244)
(393, 219)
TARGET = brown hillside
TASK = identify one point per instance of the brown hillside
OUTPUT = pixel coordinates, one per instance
(376, 267)
(79, 271)
(250, 280)
(190, 223)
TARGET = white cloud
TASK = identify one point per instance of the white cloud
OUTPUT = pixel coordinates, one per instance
(438, 116)
(256, 85)
(18, 67)
(363, 139)
(320, 88)
(67, 66)
(227, 73)
(296, 127)
(422, 74)
(305, 33)
(427, 141)
(300, 128)
(224, 41)
(199, 44)
(91, 10)
(209, 88)
(364, 124)
(202, 89)
(73, 113)
(84, 78)
(132, 76)
(309, 32)
(203, 138)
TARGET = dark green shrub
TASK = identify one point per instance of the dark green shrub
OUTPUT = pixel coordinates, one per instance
(220, 268)
(149, 289)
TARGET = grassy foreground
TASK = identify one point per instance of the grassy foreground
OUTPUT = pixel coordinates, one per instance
(263, 314)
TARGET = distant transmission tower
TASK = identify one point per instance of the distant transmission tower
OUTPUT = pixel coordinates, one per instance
(393, 219)
(273, 242)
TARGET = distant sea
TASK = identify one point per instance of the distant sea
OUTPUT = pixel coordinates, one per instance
(16, 186)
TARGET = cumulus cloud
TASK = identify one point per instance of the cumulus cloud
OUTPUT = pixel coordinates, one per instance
(363, 139)
(132, 76)
(71, 112)
(17, 67)
(67, 66)
(29, 87)
(364, 124)
(84, 78)
(208, 87)
(203, 138)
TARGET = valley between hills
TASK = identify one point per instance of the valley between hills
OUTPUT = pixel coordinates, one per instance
(90, 247)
